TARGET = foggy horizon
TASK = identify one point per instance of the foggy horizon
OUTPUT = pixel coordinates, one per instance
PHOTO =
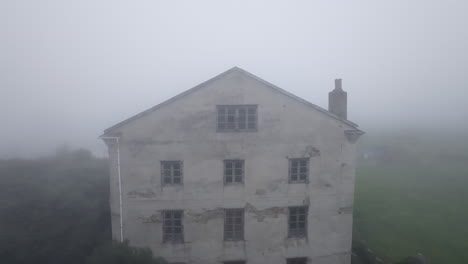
(69, 70)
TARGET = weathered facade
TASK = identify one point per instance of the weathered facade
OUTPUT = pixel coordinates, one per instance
(235, 142)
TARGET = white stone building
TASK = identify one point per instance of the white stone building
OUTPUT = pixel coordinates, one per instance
(236, 170)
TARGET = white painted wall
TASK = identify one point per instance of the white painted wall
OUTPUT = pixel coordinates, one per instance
(185, 129)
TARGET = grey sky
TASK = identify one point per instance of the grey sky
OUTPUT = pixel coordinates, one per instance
(69, 69)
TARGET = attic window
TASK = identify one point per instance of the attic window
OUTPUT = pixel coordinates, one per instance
(237, 118)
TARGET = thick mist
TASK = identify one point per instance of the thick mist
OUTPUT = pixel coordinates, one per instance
(70, 69)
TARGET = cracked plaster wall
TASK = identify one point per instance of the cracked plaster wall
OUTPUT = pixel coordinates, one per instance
(186, 130)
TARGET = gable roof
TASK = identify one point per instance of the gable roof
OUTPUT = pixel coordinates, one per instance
(246, 73)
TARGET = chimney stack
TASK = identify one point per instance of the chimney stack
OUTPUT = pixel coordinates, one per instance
(337, 101)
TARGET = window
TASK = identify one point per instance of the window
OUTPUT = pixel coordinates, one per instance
(173, 229)
(297, 221)
(233, 171)
(233, 224)
(171, 172)
(299, 170)
(234, 262)
(237, 117)
(296, 261)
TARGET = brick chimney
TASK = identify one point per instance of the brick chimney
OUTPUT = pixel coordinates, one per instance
(337, 101)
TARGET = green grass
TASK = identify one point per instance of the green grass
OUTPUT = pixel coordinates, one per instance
(401, 210)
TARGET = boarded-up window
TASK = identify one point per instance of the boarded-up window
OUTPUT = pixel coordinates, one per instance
(233, 171)
(171, 172)
(237, 118)
(299, 170)
(173, 228)
(297, 221)
(233, 224)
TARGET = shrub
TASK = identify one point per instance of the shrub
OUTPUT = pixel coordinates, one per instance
(122, 253)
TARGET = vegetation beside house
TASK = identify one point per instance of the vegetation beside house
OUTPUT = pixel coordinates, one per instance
(53, 210)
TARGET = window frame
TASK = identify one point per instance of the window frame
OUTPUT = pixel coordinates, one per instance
(233, 168)
(171, 238)
(294, 233)
(163, 176)
(236, 119)
(290, 171)
(234, 236)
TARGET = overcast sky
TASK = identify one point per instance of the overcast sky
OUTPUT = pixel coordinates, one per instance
(70, 69)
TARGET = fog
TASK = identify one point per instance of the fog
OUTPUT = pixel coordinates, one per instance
(70, 69)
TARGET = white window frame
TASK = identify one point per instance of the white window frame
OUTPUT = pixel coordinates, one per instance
(225, 112)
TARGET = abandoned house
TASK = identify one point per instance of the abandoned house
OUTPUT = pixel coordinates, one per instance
(236, 170)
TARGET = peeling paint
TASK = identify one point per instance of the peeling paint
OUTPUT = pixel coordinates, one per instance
(312, 151)
(187, 131)
(147, 193)
(260, 215)
(154, 218)
(206, 215)
(275, 185)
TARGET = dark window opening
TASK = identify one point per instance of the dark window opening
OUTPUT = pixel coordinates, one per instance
(173, 228)
(237, 118)
(171, 172)
(233, 224)
(297, 224)
(299, 170)
(233, 171)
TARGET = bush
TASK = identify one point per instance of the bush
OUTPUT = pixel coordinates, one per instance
(121, 253)
(53, 210)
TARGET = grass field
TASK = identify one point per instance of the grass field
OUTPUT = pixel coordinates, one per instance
(403, 209)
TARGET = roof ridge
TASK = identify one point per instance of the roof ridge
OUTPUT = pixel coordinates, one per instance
(279, 89)
(203, 84)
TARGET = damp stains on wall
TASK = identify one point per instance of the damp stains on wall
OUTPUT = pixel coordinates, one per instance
(146, 193)
(261, 214)
(312, 151)
(324, 183)
(206, 215)
(151, 219)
